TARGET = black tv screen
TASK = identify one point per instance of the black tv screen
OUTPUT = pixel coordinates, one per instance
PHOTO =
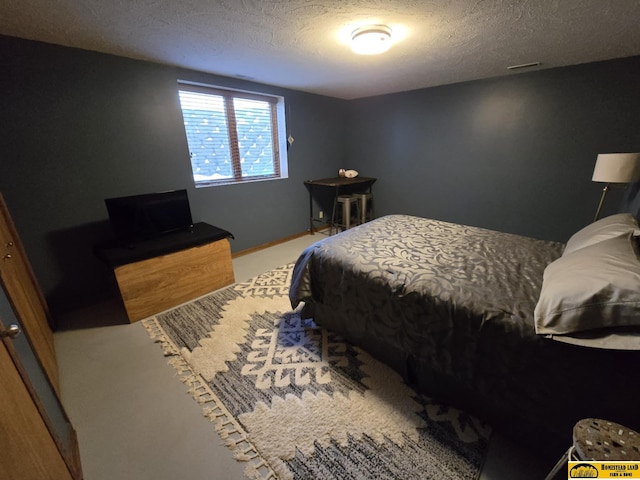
(141, 217)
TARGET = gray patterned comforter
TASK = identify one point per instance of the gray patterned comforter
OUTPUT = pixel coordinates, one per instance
(451, 307)
(433, 288)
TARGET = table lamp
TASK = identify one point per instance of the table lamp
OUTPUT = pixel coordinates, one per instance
(615, 168)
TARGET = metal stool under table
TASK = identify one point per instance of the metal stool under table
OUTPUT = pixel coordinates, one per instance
(346, 201)
(366, 206)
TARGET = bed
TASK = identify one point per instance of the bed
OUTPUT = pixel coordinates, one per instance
(459, 311)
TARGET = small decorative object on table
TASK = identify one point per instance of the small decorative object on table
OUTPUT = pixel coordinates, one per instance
(347, 173)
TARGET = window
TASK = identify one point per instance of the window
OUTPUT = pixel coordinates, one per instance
(233, 136)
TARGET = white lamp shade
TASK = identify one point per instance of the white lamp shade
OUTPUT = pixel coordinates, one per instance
(617, 168)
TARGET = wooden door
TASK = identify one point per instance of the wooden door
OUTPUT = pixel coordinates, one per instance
(27, 450)
(25, 295)
(37, 440)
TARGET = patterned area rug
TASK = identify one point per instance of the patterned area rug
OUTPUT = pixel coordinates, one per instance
(295, 401)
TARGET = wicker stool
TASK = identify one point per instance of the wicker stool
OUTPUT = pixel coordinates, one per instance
(600, 440)
(344, 204)
(366, 206)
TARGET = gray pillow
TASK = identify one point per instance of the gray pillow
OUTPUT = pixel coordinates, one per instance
(597, 286)
(600, 230)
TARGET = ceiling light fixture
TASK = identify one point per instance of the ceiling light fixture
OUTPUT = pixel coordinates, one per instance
(524, 65)
(371, 40)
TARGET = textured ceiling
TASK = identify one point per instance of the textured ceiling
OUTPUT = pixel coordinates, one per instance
(300, 44)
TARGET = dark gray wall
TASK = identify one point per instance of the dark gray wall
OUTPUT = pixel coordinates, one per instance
(78, 127)
(514, 153)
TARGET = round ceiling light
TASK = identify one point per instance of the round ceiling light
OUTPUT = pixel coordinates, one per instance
(371, 40)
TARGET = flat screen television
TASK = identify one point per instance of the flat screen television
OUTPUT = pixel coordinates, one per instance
(141, 217)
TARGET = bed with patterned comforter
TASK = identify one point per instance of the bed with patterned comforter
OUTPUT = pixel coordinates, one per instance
(451, 307)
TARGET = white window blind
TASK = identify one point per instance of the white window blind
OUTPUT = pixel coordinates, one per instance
(233, 136)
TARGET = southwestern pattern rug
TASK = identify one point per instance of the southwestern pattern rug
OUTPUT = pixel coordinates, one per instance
(294, 401)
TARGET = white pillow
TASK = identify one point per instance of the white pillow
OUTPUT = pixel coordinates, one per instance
(597, 286)
(600, 230)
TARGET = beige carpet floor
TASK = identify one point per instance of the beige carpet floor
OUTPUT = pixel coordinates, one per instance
(135, 421)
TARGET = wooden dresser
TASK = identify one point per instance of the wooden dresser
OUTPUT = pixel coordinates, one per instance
(160, 273)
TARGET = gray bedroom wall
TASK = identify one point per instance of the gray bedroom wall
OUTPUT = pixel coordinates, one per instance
(514, 153)
(79, 126)
(631, 201)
